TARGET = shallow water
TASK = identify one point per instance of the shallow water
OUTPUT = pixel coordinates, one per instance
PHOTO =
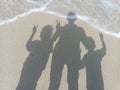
(103, 14)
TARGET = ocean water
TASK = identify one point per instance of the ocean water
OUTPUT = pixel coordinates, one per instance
(102, 14)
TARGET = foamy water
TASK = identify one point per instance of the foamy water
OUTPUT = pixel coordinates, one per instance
(102, 14)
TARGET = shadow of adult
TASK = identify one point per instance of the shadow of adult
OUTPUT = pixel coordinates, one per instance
(37, 59)
(92, 61)
(67, 51)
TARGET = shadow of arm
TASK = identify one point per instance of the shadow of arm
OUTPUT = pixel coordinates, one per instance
(102, 41)
(31, 37)
(83, 63)
(58, 31)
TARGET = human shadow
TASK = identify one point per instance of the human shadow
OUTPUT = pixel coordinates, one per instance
(67, 52)
(92, 61)
(39, 51)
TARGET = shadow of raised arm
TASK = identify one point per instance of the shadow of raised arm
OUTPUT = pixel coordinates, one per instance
(57, 32)
(31, 37)
(102, 40)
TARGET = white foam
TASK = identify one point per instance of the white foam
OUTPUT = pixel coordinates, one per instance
(21, 15)
(32, 1)
(105, 30)
(117, 35)
(25, 13)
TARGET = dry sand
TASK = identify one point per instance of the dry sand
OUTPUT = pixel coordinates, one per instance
(13, 53)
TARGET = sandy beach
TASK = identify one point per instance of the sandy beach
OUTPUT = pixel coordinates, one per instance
(14, 53)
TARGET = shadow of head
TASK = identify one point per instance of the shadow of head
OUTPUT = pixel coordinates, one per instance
(46, 32)
(72, 16)
(90, 46)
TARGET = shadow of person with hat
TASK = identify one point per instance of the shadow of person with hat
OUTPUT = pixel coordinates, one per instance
(67, 52)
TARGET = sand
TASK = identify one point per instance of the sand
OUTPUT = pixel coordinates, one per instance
(13, 53)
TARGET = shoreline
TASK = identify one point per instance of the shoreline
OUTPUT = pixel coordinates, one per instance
(19, 16)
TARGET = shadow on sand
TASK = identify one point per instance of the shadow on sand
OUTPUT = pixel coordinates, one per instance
(37, 59)
(66, 52)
